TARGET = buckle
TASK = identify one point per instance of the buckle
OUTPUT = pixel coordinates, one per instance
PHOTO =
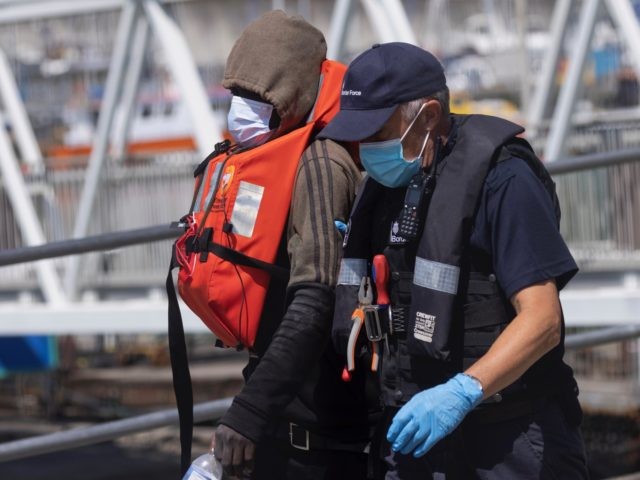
(372, 324)
(298, 437)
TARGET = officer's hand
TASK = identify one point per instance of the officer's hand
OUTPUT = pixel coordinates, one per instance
(433, 414)
(234, 451)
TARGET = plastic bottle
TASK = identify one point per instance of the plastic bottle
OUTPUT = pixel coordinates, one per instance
(205, 467)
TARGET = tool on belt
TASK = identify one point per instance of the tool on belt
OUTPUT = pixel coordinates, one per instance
(381, 280)
(369, 315)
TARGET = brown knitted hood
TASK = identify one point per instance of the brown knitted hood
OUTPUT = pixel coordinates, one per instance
(278, 57)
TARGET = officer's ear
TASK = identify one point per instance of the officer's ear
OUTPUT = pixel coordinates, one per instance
(433, 113)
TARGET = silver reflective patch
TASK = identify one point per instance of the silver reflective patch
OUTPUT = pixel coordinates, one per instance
(196, 205)
(245, 209)
(436, 276)
(212, 184)
(352, 270)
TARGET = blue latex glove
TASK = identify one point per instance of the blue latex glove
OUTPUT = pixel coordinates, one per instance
(433, 414)
(340, 226)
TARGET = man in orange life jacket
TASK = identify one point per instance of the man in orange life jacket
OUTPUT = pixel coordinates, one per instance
(294, 418)
(466, 216)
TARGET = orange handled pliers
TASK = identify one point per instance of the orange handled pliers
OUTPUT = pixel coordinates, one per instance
(365, 299)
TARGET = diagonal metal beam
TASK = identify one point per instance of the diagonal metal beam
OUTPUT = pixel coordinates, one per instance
(25, 138)
(185, 73)
(545, 82)
(437, 23)
(389, 20)
(112, 93)
(397, 17)
(342, 11)
(573, 82)
(26, 217)
(130, 89)
(377, 16)
(625, 18)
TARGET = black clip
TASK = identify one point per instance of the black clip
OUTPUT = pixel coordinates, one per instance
(298, 437)
(372, 323)
(203, 243)
(220, 147)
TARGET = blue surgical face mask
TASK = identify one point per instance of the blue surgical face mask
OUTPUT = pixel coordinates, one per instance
(248, 122)
(385, 161)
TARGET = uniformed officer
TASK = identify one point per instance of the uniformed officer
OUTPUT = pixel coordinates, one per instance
(467, 218)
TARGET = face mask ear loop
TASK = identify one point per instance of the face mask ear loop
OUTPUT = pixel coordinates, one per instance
(424, 145)
(412, 122)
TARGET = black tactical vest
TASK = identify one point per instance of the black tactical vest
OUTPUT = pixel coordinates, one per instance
(447, 307)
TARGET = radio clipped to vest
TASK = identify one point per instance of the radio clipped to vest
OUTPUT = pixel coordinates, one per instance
(415, 201)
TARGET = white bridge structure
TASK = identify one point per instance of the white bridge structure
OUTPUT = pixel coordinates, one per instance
(121, 291)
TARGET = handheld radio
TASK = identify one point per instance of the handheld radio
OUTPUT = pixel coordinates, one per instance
(416, 199)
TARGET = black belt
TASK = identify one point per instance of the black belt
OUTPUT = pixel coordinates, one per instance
(305, 440)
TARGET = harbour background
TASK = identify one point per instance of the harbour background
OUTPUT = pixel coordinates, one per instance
(493, 59)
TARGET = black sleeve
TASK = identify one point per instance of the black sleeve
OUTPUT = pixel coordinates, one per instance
(296, 346)
(324, 191)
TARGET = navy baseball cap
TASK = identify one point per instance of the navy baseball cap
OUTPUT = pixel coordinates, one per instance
(379, 80)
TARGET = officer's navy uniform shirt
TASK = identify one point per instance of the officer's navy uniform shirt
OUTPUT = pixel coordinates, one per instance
(517, 228)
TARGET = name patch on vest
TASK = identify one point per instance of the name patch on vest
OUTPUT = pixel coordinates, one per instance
(424, 327)
(394, 238)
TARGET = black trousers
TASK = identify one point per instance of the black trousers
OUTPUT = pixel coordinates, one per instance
(278, 460)
(541, 445)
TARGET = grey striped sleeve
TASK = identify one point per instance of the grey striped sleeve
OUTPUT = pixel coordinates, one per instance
(323, 192)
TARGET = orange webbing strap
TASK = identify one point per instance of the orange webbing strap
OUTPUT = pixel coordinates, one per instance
(180, 370)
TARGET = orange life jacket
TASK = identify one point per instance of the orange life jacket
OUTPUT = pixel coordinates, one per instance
(238, 216)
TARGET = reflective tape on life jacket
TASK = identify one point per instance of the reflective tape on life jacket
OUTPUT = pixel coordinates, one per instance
(239, 213)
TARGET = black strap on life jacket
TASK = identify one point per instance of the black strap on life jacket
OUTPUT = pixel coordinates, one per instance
(219, 148)
(198, 173)
(182, 386)
(180, 370)
(437, 273)
(235, 256)
(238, 258)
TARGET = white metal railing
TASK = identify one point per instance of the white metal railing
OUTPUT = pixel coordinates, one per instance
(600, 212)
(78, 437)
(152, 192)
(597, 132)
